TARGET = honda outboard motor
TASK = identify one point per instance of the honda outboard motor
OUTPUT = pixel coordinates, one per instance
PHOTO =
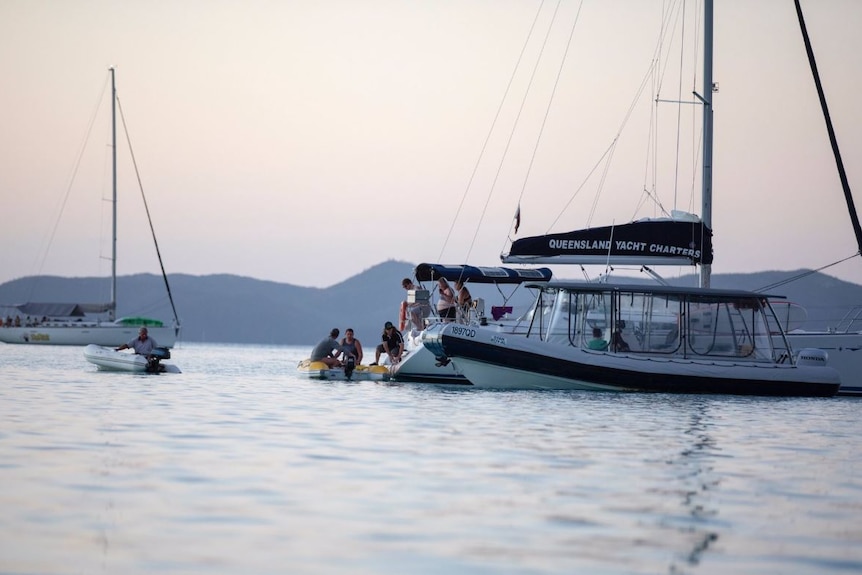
(157, 355)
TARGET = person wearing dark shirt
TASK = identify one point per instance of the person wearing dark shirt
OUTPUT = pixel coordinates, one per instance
(392, 345)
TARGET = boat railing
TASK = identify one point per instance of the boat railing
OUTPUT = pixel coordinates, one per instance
(851, 322)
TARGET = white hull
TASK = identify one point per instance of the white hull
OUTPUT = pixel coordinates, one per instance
(419, 364)
(319, 370)
(108, 359)
(107, 334)
(494, 361)
(844, 351)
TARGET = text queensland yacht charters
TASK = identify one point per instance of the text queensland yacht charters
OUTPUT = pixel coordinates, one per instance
(619, 337)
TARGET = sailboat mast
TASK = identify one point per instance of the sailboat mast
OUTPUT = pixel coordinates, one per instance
(842, 174)
(706, 195)
(113, 310)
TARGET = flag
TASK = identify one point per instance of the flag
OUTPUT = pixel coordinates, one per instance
(518, 219)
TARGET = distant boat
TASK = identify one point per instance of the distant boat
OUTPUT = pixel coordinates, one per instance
(37, 323)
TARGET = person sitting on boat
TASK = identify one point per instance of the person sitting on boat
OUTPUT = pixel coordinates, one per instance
(598, 342)
(446, 306)
(143, 344)
(323, 351)
(617, 341)
(393, 344)
(417, 311)
(464, 299)
(350, 347)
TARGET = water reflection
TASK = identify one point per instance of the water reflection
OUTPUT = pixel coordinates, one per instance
(694, 467)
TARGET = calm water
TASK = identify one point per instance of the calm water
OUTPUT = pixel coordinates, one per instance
(237, 466)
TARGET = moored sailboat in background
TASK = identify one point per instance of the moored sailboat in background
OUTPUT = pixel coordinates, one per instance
(82, 323)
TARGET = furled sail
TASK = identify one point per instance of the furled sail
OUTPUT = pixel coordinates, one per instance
(681, 240)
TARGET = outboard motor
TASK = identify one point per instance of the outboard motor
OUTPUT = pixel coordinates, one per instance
(812, 356)
(157, 355)
(161, 353)
(349, 366)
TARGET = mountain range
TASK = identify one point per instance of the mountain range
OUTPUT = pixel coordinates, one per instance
(227, 308)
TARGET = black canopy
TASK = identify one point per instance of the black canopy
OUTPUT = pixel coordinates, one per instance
(476, 274)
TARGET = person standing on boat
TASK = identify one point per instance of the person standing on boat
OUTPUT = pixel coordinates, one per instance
(416, 311)
(465, 300)
(351, 347)
(393, 345)
(323, 351)
(446, 306)
(143, 344)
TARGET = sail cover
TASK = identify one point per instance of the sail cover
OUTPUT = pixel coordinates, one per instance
(61, 309)
(480, 275)
(643, 242)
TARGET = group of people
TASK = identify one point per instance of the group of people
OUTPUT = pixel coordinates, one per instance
(18, 322)
(617, 343)
(335, 354)
(450, 303)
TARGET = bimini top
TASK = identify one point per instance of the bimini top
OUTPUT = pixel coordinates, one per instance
(480, 275)
(656, 288)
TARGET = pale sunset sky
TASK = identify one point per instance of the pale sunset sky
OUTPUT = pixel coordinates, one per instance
(304, 141)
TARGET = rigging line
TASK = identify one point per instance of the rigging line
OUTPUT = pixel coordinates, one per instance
(669, 18)
(805, 274)
(696, 150)
(679, 111)
(550, 101)
(46, 246)
(491, 130)
(650, 73)
(604, 178)
(608, 153)
(514, 128)
(147, 209)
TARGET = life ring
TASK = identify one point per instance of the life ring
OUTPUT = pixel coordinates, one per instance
(402, 316)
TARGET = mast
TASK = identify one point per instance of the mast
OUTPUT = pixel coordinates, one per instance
(706, 194)
(848, 196)
(112, 312)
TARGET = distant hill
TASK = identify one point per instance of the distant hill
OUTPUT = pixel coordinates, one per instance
(234, 309)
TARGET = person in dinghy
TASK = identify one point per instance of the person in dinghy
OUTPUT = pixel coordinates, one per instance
(143, 344)
(149, 348)
(328, 349)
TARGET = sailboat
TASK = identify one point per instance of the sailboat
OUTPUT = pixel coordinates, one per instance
(620, 336)
(82, 324)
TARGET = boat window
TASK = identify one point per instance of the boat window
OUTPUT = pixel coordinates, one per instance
(592, 330)
(559, 320)
(647, 323)
(728, 327)
(541, 312)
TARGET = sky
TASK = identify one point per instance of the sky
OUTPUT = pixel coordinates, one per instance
(305, 141)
